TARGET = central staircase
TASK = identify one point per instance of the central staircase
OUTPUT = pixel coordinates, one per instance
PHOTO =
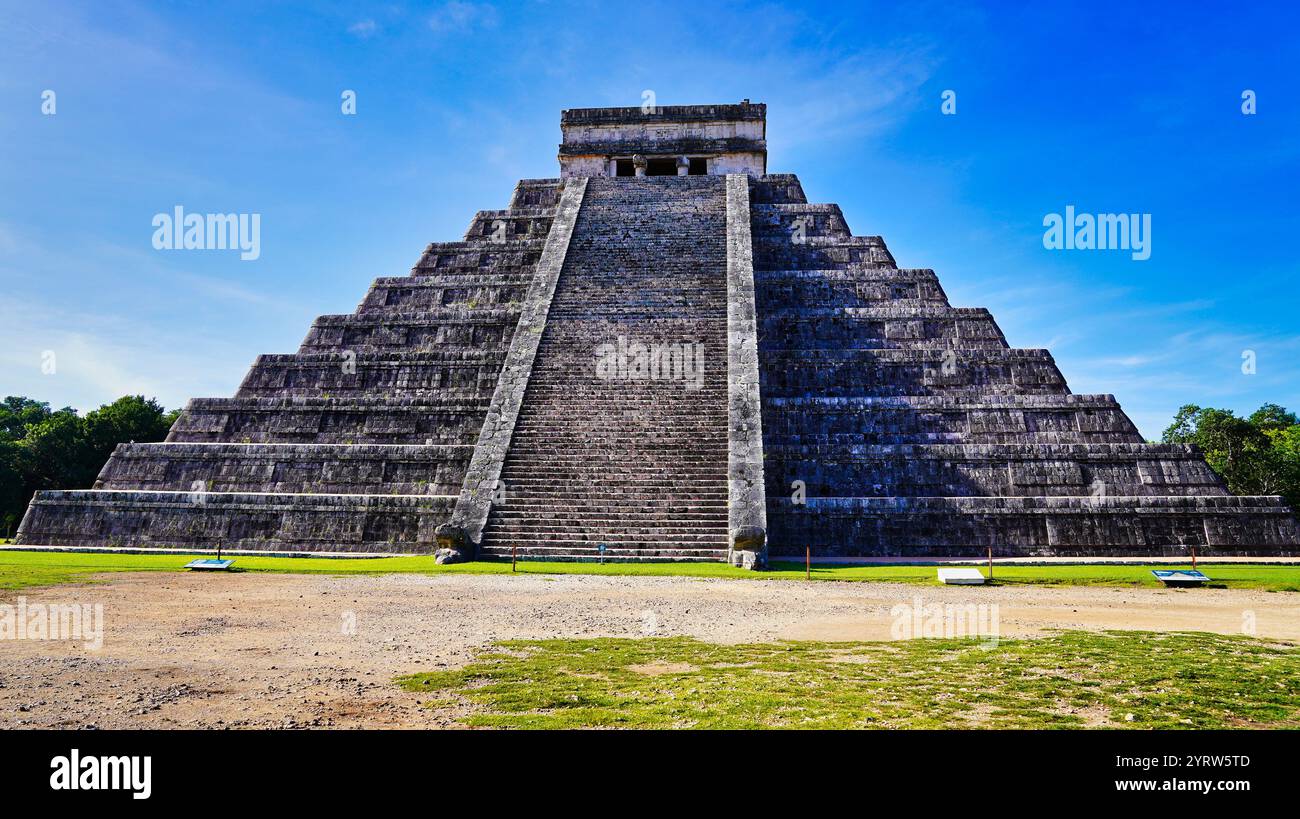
(636, 464)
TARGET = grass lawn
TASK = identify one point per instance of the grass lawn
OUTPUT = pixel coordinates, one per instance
(1070, 680)
(26, 569)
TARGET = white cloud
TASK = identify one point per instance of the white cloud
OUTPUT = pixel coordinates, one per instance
(455, 16)
(116, 339)
(365, 29)
(101, 358)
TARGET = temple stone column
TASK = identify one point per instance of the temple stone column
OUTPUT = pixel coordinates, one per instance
(683, 166)
(639, 163)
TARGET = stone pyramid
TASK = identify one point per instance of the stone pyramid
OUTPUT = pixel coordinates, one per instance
(666, 353)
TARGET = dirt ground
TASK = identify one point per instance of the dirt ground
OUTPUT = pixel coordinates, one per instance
(268, 650)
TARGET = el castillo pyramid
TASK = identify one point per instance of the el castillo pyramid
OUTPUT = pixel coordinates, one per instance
(665, 354)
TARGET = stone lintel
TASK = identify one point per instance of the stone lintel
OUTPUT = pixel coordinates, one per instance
(745, 111)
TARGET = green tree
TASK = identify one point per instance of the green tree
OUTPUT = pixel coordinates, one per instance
(40, 449)
(16, 412)
(1273, 417)
(53, 453)
(1258, 455)
(1285, 462)
(1183, 428)
(13, 493)
(129, 418)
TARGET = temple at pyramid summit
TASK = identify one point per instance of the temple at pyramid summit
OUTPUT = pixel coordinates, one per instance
(666, 353)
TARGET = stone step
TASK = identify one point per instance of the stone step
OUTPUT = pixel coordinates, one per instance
(419, 316)
(642, 462)
(400, 524)
(645, 469)
(961, 419)
(524, 474)
(837, 275)
(775, 188)
(822, 293)
(885, 373)
(444, 258)
(1025, 526)
(574, 442)
(618, 533)
(583, 454)
(528, 511)
(510, 225)
(604, 491)
(432, 419)
(467, 292)
(591, 516)
(536, 193)
(600, 432)
(519, 501)
(288, 468)
(631, 393)
(619, 428)
(565, 553)
(465, 371)
(579, 541)
(514, 514)
(580, 450)
(788, 220)
(817, 252)
(617, 435)
(1021, 450)
(1023, 470)
(432, 330)
(526, 465)
(938, 328)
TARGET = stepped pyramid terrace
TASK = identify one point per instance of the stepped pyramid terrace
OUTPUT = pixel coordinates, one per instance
(666, 353)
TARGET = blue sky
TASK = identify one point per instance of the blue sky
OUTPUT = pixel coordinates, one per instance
(233, 107)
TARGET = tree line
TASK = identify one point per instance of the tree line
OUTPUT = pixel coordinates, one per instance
(1256, 455)
(42, 448)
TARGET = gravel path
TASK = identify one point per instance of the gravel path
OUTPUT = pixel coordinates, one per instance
(266, 650)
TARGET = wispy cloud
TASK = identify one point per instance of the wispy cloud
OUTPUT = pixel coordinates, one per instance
(99, 358)
(858, 96)
(1200, 365)
(365, 29)
(457, 17)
